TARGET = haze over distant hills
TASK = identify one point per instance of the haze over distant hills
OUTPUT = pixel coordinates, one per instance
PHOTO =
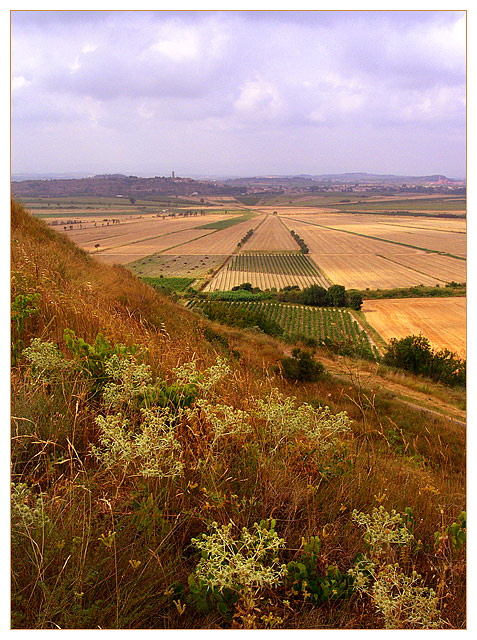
(342, 177)
(119, 185)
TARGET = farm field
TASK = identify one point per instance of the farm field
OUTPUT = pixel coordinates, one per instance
(321, 323)
(446, 225)
(434, 239)
(222, 242)
(397, 234)
(267, 271)
(356, 202)
(357, 261)
(129, 230)
(428, 264)
(441, 320)
(271, 236)
(194, 266)
(123, 254)
(364, 271)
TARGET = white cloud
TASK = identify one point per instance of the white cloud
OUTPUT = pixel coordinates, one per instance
(18, 82)
(178, 44)
(258, 98)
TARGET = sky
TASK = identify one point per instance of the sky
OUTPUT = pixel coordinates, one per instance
(238, 92)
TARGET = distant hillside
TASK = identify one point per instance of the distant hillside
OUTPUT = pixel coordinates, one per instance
(382, 178)
(120, 185)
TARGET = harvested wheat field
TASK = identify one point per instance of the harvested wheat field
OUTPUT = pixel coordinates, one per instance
(129, 230)
(369, 271)
(222, 242)
(358, 261)
(433, 239)
(271, 236)
(441, 320)
(123, 254)
(440, 268)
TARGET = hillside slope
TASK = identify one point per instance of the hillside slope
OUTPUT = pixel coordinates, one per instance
(128, 447)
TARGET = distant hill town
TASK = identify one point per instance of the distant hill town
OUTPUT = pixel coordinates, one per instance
(119, 185)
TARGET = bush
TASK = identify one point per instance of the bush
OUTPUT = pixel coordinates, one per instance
(301, 367)
(414, 353)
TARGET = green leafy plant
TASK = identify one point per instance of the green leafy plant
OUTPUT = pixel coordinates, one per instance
(22, 307)
(305, 579)
(454, 535)
(93, 358)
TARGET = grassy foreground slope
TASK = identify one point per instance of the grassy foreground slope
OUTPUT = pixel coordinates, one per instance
(124, 456)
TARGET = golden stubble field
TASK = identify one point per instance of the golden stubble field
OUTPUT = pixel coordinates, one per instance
(441, 320)
(271, 235)
(135, 236)
(342, 247)
(222, 242)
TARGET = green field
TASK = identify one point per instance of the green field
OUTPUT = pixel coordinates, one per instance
(322, 323)
(177, 284)
(285, 264)
(228, 222)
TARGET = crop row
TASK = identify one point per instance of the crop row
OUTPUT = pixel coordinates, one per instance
(287, 264)
(328, 324)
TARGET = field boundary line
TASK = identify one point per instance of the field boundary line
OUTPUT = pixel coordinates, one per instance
(423, 273)
(363, 235)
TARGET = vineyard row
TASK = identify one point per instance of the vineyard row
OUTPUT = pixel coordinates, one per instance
(322, 323)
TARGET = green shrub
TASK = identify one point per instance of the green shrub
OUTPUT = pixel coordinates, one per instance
(414, 353)
(306, 580)
(301, 367)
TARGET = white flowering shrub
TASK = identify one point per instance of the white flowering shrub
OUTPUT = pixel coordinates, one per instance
(128, 381)
(27, 510)
(153, 450)
(399, 598)
(284, 419)
(188, 374)
(224, 420)
(244, 564)
(382, 529)
(47, 361)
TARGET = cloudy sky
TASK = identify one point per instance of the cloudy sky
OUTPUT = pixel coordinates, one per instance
(238, 93)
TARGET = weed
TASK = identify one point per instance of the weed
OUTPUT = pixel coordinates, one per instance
(22, 307)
